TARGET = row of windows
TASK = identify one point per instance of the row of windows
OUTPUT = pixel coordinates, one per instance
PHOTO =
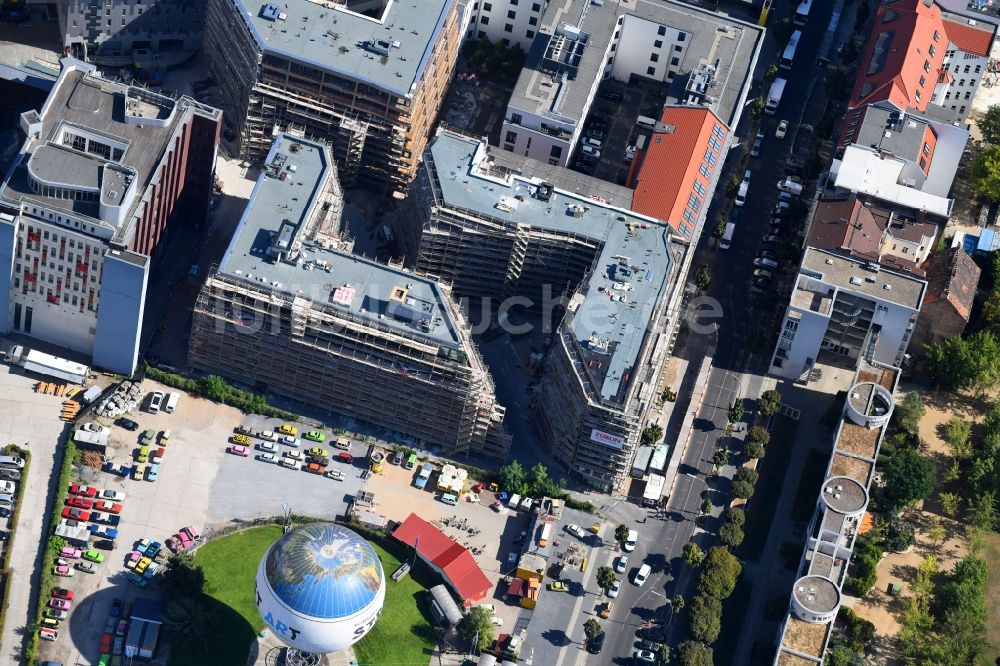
(488, 7)
(968, 95)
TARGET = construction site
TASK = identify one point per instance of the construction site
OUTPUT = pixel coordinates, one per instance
(289, 310)
(371, 84)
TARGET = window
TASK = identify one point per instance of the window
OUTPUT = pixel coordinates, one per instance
(978, 68)
(487, 6)
(654, 57)
(509, 27)
(530, 34)
(661, 31)
(535, 7)
(694, 202)
(511, 14)
(923, 163)
(905, 249)
(532, 21)
(932, 50)
(678, 48)
(511, 137)
(513, 3)
(916, 95)
(674, 62)
(699, 187)
(704, 170)
(923, 81)
(947, 95)
(927, 148)
(937, 36)
(927, 66)
(681, 36)
(966, 70)
(967, 95)
(516, 118)
(484, 20)
(651, 71)
(555, 151)
(658, 44)
(506, 42)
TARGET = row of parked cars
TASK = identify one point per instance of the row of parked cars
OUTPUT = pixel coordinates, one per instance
(315, 459)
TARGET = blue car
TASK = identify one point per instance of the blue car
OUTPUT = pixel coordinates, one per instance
(153, 472)
(138, 579)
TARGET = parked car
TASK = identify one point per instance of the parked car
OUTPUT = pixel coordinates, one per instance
(267, 457)
(644, 657)
(622, 564)
(86, 567)
(75, 514)
(155, 401)
(267, 447)
(242, 440)
(288, 429)
(268, 435)
(782, 129)
(86, 491)
(110, 507)
(62, 570)
(317, 451)
(576, 530)
(62, 593)
(56, 613)
(642, 575)
(596, 644)
(61, 604)
(291, 464)
(90, 426)
(615, 587)
(113, 495)
(315, 436)
(128, 424)
(288, 440)
(764, 273)
(345, 457)
(294, 455)
(80, 502)
(590, 151)
(238, 450)
(47, 634)
(93, 556)
(334, 474)
(758, 140)
(772, 238)
(397, 458)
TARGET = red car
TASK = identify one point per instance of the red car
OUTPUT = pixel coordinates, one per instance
(105, 643)
(76, 514)
(80, 502)
(110, 507)
(62, 593)
(77, 489)
(346, 458)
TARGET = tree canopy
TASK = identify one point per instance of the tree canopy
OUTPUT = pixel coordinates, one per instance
(989, 125)
(769, 402)
(692, 554)
(909, 411)
(183, 577)
(693, 653)
(985, 174)
(720, 571)
(705, 618)
(652, 434)
(477, 625)
(909, 477)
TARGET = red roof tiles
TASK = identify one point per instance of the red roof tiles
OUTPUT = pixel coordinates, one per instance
(968, 38)
(451, 558)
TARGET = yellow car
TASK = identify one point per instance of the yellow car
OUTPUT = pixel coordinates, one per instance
(242, 439)
(288, 429)
(142, 564)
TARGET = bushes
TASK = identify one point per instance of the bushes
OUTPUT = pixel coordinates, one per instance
(705, 618)
(867, 555)
(758, 435)
(744, 482)
(719, 574)
(215, 388)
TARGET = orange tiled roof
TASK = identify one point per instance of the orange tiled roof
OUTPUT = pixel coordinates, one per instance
(970, 39)
(666, 177)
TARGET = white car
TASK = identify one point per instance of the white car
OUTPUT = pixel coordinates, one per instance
(782, 129)
(630, 541)
(334, 474)
(291, 464)
(576, 530)
(642, 575)
(591, 151)
(288, 440)
(267, 447)
(613, 590)
(155, 401)
(622, 564)
(294, 455)
(268, 435)
(112, 495)
(267, 457)
(93, 427)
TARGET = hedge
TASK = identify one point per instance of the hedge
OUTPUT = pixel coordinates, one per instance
(54, 545)
(5, 572)
(216, 389)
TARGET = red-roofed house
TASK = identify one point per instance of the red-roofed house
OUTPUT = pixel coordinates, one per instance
(918, 55)
(952, 279)
(675, 175)
(452, 560)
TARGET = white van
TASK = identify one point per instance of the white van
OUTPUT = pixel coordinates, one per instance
(7, 487)
(171, 404)
(591, 141)
(642, 574)
(645, 121)
(630, 541)
(12, 461)
(6, 500)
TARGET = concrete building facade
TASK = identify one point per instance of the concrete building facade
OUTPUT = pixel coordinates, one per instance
(367, 76)
(289, 310)
(106, 169)
(705, 57)
(846, 306)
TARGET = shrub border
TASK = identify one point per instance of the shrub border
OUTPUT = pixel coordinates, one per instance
(15, 515)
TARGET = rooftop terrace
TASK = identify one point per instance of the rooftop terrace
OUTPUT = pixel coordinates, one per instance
(853, 275)
(385, 44)
(619, 299)
(278, 221)
(711, 38)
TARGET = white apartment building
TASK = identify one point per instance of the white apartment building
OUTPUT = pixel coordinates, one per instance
(508, 21)
(581, 43)
(846, 306)
(965, 62)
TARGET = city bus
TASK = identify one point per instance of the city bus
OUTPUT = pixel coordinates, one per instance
(788, 57)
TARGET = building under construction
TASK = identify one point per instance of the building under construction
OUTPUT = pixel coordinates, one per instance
(367, 76)
(498, 224)
(291, 312)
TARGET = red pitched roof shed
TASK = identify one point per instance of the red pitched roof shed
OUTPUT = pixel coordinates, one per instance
(668, 170)
(970, 39)
(454, 561)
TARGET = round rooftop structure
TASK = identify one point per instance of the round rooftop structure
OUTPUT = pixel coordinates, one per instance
(869, 404)
(844, 495)
(320, 587)
(815, 599)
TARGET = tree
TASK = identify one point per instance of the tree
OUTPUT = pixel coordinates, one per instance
(538, 479)
(706, 507)
(621, 533)
(989, 125)
(848, 53)
(743, 489)
(692, 554)
(731, 534)
(606, 577)
(183, 578)
(949, 504)
(769, 403)
(843, 655)
(663, 654)
(693, 653)
(737, 411)
(982, 514)
(703, 278)
(513, 478)
(719, 230)
(733, 187)
(736, 515)
(771, 73)
(747, 474)
(757, 107)
(909, 412)
(591, 628)
(957, 433)
(677, 602)
(991, 309)
(936, 532)
(985, 174)
(652, 434)
(719, 574)
(720, 458)
(477, 626)
(755, 450)
(187, 621)
(759, 435)
(909, 477)
(705, 618)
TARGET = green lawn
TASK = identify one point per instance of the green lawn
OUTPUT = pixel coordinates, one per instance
(402, 635)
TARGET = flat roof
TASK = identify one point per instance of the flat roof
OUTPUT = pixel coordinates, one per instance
(331, 37)
(818, 594)
(711, 37)
(844, 495)
(850, 274)
(864, 170)
(280, 210)
(618, 303)
(82, 100)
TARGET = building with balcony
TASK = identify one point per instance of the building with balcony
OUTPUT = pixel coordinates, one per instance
(290, 311)
(816, 595)
(922, 58)
(366, 76)
(105, 172)
(705, 58)
(849, 307)
(497, 225)
(125, 32)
